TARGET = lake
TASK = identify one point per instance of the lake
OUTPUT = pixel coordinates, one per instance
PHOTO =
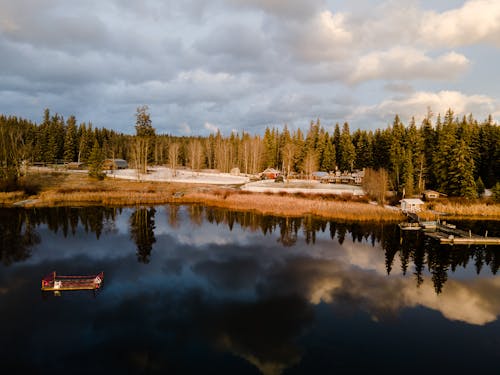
(190, 289)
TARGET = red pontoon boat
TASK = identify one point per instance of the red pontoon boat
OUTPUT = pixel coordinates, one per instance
(54, 282)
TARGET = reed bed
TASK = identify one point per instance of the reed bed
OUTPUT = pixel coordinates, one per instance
(11, 197)
(70, 189)
(292, 206)
(108, 197)
(283, 205)
(472, 210)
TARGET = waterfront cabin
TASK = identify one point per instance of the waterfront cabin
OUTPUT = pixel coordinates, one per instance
(411, 205)
(431, 194)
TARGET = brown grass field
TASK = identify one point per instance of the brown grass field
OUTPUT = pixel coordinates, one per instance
(63, 189)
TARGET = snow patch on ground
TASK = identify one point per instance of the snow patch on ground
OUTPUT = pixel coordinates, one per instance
(215, 178)
(300, 186)
(184, 176)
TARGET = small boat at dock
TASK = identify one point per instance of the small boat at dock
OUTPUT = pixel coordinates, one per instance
(428, 225)
(57, 283)
(409, 226)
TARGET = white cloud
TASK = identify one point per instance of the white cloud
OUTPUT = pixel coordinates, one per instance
(476, 21)
(211, 127)
(323, 37)
(185, 128)
(407, 63)
(239, 63)
(417, 103)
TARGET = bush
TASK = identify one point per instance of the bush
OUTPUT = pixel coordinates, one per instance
(495, 192)
(30, 187)
(9, 183)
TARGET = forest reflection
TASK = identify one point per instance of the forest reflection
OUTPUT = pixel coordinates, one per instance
(416, 252)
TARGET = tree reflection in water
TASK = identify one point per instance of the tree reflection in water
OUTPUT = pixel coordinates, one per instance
(142, 226)
(17, 236)
(413, 249)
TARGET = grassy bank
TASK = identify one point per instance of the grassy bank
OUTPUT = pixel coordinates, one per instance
(63, 189)
(60, 189)
(470, 210)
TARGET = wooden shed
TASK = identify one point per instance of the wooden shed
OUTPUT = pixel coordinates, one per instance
(411, 205)
(431, 194)
(112, 164)
(269, 174)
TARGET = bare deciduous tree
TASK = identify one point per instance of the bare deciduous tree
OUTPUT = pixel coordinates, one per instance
(173, 156)
(375, 184)
(310, 163)
(288, 152)
(195, 154)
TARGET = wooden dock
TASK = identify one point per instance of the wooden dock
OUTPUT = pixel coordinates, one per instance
(448, 234)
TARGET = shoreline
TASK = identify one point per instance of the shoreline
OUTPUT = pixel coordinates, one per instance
(67, 189)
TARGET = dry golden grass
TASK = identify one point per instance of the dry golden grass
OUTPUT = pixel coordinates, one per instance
(60, 189)
(472, 210)
(296, 206)
(76, 189)
(11, 197)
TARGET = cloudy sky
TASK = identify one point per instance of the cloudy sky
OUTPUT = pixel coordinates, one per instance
(246, 64)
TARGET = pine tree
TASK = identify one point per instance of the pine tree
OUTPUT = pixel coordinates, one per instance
(346, 149)
(336, 143)
(270, 148)
(480, 186)
(460, 172)
(446, 144)
(407, 178)
(143, 124)
(145, 134)
(429, 146)
(70, 140)
(96, 161)
(397, 151)
(327, 158)
(363, 151)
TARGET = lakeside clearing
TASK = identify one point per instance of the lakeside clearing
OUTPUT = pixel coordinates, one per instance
(220, 190)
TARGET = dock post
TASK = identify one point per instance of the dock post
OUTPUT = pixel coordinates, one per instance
(486, 234)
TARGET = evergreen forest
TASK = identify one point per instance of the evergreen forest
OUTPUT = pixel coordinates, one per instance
(457, 156)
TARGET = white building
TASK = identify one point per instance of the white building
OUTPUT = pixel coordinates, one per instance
(411, 205)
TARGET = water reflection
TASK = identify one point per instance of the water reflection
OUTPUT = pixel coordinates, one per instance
(17, 236)
(412, 250)
(194, 288)
(142, 226)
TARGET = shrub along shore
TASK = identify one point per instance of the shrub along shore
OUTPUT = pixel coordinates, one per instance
(60, 189)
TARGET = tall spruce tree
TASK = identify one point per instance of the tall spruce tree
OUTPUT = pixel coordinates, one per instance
(70, 140)
(460, 180)
(145, 134)
(96, 161)
(346, 149)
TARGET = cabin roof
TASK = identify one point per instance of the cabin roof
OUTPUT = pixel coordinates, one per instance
(412, 201)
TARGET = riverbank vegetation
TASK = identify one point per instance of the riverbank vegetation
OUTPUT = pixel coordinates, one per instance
(76, 189)
(69, 189)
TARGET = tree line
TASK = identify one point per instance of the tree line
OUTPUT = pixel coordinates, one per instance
(458, 156)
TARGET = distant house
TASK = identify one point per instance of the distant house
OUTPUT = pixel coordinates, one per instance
(269, 174)
(411, 205)
(431, 194)
(358, 176)
(319, 175)
(112, 164)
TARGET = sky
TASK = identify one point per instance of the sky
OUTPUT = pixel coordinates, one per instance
(244, 65)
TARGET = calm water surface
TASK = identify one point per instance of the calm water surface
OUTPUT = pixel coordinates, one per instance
(197, 290)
